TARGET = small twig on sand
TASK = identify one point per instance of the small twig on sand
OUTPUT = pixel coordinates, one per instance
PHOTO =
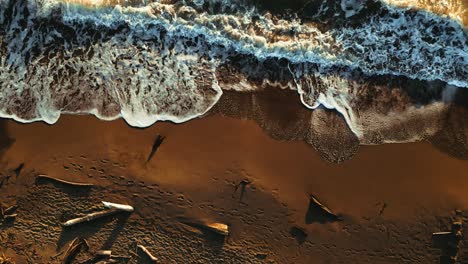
(41, 176)
(442, 233)
(73, 249)
(89, 217)
(150, 256)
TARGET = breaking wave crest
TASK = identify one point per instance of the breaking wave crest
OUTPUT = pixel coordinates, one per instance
(171, 60)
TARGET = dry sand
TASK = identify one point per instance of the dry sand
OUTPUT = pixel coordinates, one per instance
(390, 198)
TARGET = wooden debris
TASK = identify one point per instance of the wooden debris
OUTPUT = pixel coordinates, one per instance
(202, 225)
(315, 201)
(78, 184)
(317, 212)
(157, 143)
(74, 247)
(113, 209)
(10, 217)
(104, 253)
(148, 254)
(219, 228)
(89, 217)
(120, 207)
(10, 210)
(441, 233)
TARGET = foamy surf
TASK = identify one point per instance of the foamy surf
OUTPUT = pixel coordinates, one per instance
(147, 62)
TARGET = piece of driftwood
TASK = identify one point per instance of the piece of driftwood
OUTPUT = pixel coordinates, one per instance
(317, 202)
(10, 210)
(442, 233)
(148, 254)
(10, 217)
(219, 228)
(113, 209)
(89, 217)
(120, 207)
(78, 184)
(73, 249)
(318, 212)
(104, 253)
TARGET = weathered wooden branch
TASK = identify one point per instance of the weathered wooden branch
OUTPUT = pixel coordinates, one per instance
(150, 256)
(89, 217)
(73, 249)
(78, 184)
(113, 209)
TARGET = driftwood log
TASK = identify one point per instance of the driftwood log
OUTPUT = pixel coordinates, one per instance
(113, 209)
(78, 184)
(148, 254)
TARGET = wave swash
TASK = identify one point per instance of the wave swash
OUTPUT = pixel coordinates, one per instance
(171, 60)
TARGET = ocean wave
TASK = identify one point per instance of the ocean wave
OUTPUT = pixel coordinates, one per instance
(163, 60)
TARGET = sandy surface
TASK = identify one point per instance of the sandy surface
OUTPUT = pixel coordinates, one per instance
(389, 198)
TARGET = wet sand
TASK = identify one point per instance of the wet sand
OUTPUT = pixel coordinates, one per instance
(390, 197)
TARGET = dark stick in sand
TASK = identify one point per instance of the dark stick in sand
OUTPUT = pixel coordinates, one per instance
(42, 176)
(73, 249)
(150, 256)
(157, 143)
